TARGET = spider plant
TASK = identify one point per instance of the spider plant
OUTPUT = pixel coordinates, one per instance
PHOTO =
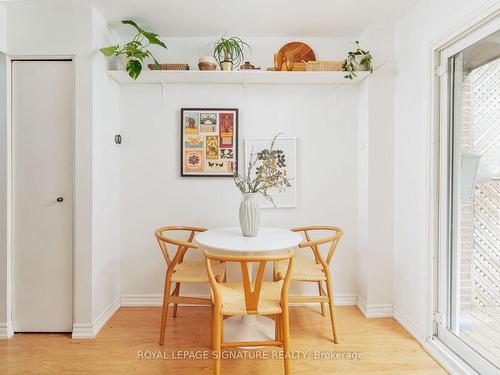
(229, 50)
(135, 51)
(358, 57)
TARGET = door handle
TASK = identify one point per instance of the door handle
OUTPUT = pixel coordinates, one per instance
(60, 199)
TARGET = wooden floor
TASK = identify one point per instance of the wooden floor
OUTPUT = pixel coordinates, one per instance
(484, 335)
(133, 332)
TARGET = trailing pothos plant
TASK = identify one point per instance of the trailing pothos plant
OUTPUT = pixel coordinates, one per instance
(357, 57)
(135, 51)
(265, 171)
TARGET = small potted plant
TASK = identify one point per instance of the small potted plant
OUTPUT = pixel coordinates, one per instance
(134, 52)
(359, 59)
(229, 52)
(264, 173)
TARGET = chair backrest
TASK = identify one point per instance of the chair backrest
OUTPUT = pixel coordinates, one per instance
(333, 239)
(251, 296)
(163, 238)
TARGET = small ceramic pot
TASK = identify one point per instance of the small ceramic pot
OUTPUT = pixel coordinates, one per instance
(207, 59)
(207, 66)
(359, 67)
(226, 65)
(250, 215)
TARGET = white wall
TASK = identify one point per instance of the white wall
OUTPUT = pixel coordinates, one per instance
(106, 175)
(3, 28)
(5, 313)
(427, 22)
(153, 194)
(376, 181)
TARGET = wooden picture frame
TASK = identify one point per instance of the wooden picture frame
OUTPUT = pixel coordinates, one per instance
(209, 142)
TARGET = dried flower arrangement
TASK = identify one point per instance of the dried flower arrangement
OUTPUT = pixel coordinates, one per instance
(264, 172)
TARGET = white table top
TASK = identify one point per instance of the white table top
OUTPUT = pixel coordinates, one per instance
(231, 240)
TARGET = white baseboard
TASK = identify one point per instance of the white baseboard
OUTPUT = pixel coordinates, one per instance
(6, 330)
(136, 300)
(89, 331)
(408, 324)
(437, 350)
(375, 311)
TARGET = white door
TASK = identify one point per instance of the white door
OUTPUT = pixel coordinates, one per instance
(468, 307)
(42, 195)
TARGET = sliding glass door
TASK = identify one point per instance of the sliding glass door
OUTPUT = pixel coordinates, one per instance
(468, 316)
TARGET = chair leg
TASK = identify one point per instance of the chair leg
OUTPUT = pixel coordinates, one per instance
(217, 341)
(285, 328)
(331, 305)
(276, 328)
(212, 328)
(177, 291)
(322, 303)
(222, 330)
(164, 313)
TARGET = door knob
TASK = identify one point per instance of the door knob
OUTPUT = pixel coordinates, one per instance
(60, 199)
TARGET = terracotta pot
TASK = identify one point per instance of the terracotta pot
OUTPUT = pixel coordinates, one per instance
(207, 66)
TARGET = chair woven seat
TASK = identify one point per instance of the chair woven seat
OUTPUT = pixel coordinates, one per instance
(194, 272)
(303, 270)
(233, 298)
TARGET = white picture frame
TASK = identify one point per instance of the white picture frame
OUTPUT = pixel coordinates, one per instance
(287, 198)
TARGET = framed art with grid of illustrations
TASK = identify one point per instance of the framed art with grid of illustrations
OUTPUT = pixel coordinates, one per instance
(209, 142)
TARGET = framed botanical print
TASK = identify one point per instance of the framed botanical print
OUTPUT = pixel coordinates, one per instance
(286, 163)
(209, 142)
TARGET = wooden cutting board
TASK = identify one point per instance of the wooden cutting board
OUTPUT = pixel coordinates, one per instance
(302, 51)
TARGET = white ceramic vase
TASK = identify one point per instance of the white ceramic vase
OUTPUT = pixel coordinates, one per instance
(250, 215)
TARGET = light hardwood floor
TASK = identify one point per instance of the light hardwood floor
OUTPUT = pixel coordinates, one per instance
(387, 348)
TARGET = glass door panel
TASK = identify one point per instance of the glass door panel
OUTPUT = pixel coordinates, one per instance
(473, 282)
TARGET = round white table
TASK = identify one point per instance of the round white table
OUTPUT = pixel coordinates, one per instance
(231, 241)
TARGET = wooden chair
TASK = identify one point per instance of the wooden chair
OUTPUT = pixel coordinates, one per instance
(238, 299)
(180, 271)
(316, 270)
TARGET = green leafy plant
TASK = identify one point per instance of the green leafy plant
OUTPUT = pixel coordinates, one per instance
(135, 50)
(265, 171)
(358, 56)
(230, 50)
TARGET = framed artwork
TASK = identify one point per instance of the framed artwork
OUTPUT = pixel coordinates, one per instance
(288, 162)
(209, 142)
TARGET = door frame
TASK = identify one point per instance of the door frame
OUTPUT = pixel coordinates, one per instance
(9, 60)
(468, 32)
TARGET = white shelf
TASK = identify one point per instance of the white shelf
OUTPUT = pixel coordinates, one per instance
(238, 77)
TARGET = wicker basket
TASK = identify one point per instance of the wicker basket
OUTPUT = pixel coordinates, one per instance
(323, 66)
(169, 67)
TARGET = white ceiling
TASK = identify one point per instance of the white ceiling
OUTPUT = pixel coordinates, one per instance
(252, 18)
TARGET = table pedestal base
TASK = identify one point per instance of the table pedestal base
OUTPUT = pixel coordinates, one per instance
(248, 328)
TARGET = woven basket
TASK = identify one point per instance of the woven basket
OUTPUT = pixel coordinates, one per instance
(324, 66)
(169, 67)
